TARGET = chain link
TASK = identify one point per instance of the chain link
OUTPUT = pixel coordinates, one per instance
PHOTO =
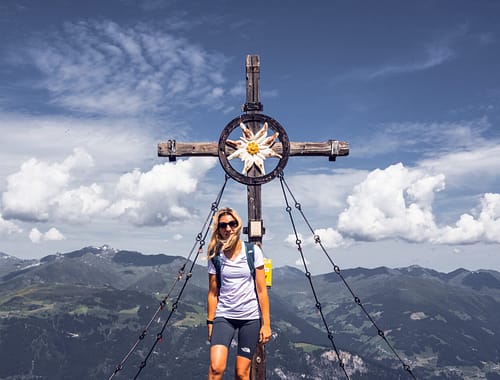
(337, 270)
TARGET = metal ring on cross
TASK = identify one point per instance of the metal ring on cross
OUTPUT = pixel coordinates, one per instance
(253, 147)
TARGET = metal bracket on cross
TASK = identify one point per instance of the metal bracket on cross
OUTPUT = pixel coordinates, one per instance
(254, 148)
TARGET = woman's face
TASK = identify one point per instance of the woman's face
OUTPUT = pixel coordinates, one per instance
(227, 226)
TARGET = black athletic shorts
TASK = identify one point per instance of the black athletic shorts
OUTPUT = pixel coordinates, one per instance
(248, 334)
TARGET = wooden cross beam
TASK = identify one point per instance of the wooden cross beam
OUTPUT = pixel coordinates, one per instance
(255, 230)
(331, 148)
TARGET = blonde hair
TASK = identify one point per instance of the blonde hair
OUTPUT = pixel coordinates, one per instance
(216, 243)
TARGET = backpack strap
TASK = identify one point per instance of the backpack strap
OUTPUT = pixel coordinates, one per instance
(249, 250)
(217, 265)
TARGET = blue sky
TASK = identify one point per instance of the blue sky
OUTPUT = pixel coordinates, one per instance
(88, 89)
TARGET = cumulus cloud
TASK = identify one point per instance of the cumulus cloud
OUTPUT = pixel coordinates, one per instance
(78, 205)
(43, 191)
(291, 240)
(469, 229)
(160, 195)
(329, 238)
(102, 67)
(177, 237)
(35, 235)
(7, 227)
(52, 234)
(39, 188)
(396, 203)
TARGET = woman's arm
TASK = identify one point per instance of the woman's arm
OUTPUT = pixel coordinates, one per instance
(212, 300)
(260, 285)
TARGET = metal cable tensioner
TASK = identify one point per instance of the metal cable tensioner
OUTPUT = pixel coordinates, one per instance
(336, 268)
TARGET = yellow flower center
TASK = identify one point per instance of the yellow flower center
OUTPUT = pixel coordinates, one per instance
(253, 148)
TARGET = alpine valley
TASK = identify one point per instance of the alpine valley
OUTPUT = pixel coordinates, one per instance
(77, 315)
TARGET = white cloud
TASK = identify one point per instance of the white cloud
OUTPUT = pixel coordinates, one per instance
(396, 203)
(466, 166)
(115, 144)
(53, 234)
(7, 227)
(391, 203)
(32, 191)
(111, 69)
(78, 205)
(300, 263)
(329, 238)
(45, 191)
(484, 228)
(291, 240)
(35, 235)
(161, 195)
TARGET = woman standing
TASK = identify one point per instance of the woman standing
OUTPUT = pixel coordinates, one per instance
(240, 304)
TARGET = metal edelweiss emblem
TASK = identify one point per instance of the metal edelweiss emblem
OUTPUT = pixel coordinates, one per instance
(252, 148)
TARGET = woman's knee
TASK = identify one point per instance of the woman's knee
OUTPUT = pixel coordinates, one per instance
(242, 374)
(217, 369)
(218, 359)
(242, 368)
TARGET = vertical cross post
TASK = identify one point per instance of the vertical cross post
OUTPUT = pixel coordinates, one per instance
(255, 226)
(253, 106)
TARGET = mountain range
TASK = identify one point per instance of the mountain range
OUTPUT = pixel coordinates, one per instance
(76, 315)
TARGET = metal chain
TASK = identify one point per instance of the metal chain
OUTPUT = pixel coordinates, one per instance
(200, 242)
(336, 268)
(298, 242)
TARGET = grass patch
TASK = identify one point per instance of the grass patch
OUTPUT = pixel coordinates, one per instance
(80, 310)
(191, 320)
(128, 312)
(307, 347)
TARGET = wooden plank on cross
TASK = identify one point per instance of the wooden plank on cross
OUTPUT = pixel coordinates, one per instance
(331, 149)
(255, 230)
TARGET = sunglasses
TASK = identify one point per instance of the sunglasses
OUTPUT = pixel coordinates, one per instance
(232, 224)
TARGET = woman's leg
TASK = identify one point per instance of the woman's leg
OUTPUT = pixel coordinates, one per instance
(222, 335)
(242, 368)
(248, 337)
(218, 360)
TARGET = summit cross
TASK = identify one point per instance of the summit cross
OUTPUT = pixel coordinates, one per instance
(254, 124)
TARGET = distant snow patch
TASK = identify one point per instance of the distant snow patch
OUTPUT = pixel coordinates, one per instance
(418, 316)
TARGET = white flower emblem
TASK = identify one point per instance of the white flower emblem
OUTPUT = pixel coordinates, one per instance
(253, 149)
